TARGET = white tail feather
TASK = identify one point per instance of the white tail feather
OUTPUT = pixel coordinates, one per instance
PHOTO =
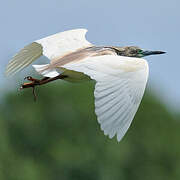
(43, 70)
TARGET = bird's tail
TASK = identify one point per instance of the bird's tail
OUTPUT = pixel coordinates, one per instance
(45, 70)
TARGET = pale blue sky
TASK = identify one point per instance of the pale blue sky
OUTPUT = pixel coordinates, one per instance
(153, 25)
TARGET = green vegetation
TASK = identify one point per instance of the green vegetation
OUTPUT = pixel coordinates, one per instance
(58, 138)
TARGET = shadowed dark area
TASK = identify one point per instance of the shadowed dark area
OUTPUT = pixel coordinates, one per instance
(58, 137)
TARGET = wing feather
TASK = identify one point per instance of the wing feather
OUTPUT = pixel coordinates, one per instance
(24, 57)
(120, 85)
(54, 46)
(58, 45)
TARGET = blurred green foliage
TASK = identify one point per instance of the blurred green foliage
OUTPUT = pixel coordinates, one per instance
(58, 138)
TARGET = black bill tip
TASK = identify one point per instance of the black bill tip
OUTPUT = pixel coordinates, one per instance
(158, 52)
(148, 53)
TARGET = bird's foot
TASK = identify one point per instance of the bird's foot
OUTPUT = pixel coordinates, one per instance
(29, 78)
(34, 82)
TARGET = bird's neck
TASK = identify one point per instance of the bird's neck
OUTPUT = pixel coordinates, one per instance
(118, 50)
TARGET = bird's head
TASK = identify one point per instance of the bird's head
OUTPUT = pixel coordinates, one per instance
(134, 51)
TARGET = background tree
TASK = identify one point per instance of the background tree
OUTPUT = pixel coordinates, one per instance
(58, 138)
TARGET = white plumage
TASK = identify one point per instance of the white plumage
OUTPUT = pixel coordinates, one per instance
(59, 44)
(120, 85)
(53, 47)
(120, 81)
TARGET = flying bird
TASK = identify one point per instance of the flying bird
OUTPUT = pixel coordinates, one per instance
(120, 74)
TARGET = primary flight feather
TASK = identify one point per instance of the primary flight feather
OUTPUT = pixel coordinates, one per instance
(120, 74)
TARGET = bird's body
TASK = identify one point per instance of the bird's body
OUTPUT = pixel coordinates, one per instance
(120, 74)
(78, 56)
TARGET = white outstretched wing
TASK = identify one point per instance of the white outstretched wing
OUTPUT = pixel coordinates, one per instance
(53, 47)
(62, 43)
(120, 85)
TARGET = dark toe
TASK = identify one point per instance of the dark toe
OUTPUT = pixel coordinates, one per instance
(29, 78)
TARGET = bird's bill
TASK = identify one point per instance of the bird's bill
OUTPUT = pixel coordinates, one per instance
(148, 53)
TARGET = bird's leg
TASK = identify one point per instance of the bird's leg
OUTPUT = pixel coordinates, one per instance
(36, 82)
